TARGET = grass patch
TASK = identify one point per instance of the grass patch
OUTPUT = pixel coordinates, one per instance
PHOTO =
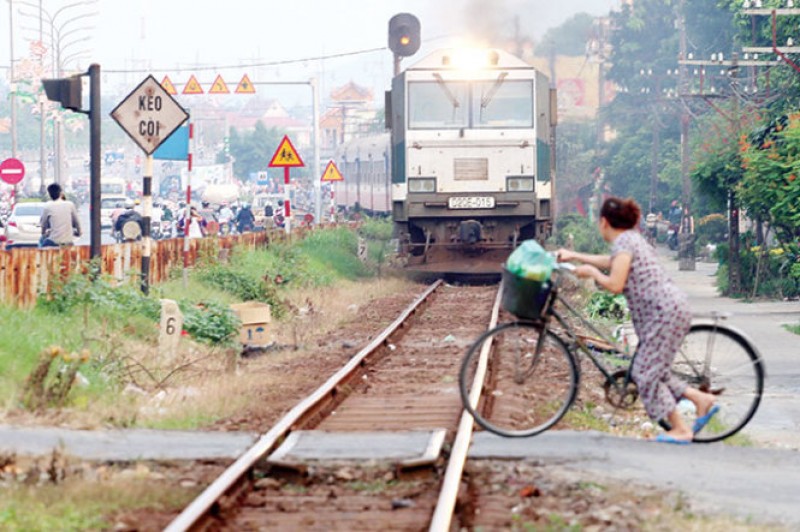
(24, 334)
(373, 486)
(77, 505)
(584, 418)
(793, 328)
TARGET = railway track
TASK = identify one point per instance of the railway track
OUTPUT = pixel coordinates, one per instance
(403, 384)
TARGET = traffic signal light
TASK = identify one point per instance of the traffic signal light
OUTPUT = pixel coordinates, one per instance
(66, 91)
(404, 34)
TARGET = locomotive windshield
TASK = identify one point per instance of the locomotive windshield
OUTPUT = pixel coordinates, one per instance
(503, 104)
(486, 104)
(438, 105)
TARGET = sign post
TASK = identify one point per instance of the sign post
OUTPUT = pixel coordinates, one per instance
(286, 156)
(149, 115)
(332, 175)
(11, 172)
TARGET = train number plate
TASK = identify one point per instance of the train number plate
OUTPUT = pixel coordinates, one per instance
(471, 202)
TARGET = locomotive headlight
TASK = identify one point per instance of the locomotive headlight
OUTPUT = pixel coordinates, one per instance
(422, 185)
(519, 184)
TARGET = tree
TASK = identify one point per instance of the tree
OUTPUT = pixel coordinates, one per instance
(252, 150)
(571, 36)
(769, 188)
(644, 62)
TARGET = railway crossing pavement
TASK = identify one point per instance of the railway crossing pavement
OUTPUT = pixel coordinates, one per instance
(127, 444)
(405, 448)
(761, 484)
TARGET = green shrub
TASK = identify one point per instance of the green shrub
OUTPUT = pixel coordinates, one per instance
(712, 229)
(778, 275)
(100, 297)
(586, 236)
(607, 306)
(245, 285)
(209, 321)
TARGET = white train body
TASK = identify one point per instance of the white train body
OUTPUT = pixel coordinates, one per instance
(470, 156)
(364, 162)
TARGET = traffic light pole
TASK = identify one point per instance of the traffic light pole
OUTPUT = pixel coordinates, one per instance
(94, 163)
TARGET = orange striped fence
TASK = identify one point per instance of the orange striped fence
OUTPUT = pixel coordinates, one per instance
(27, 272)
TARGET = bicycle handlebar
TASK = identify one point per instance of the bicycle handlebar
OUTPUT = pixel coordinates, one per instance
(565, 266)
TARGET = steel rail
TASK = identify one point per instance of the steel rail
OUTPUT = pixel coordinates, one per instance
(443, 513)
(207, 501)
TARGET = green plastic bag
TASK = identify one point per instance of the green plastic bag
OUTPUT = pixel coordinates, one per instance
(531, 261)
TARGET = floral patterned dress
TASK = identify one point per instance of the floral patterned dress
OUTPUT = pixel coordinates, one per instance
(661, 317)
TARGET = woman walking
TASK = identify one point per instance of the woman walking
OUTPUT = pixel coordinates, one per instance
(660, 312)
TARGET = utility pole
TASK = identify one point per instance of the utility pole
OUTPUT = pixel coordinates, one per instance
(734, 268)
(315, 174)
(686, 238)
(733, 119)
(42, 156)
(13, 83)
(654, 159)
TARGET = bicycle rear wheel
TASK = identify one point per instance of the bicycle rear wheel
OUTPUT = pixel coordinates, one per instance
(719, 361)
(529, 385)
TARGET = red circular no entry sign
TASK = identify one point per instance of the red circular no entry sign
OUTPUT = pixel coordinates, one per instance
(12, 171)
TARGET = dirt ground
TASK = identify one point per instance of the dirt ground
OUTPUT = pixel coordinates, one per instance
(513, 495)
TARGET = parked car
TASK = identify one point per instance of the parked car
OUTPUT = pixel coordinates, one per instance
(23, 226)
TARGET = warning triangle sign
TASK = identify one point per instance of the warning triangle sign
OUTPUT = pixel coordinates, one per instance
(219, 86)
(245, 86)
(166, 83)
(331, 173)
(192, 86)
(286, 155)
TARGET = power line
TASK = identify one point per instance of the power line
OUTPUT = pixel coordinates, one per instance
(246, 65)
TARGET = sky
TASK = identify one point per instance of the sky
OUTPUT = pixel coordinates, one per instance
(132, 38)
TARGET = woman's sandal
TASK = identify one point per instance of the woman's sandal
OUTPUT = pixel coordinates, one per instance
(701, 422)
(666, 438)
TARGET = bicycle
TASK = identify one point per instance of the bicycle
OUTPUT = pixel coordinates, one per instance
(533, 371)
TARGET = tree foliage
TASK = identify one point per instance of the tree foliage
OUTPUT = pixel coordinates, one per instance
(644, 64)
(769, 189)
(252, 150)
(571, 36)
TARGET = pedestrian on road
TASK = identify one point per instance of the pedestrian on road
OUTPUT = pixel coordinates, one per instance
(59, 220)
(245, 219)
(660, 312)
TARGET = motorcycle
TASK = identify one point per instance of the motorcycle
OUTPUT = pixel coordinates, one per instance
(672, 237)
(166, 229)
(155, 231)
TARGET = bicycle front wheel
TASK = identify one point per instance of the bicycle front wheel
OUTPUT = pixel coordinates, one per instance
(719, 361)
(531, 380)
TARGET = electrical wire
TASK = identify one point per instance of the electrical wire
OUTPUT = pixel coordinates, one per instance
(246, 65)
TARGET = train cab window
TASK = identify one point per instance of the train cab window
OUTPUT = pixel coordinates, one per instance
(503, 104)
(438, 105)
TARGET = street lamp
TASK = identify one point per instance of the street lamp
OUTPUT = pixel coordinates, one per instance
(58, 46)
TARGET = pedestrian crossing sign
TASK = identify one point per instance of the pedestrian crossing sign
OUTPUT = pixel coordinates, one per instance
(331, 173)
(192, 86)
(286, 155)
(219, 86)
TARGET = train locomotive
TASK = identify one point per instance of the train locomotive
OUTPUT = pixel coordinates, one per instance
(470, 160)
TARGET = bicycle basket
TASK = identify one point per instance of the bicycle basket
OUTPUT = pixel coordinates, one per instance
(525, 298)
